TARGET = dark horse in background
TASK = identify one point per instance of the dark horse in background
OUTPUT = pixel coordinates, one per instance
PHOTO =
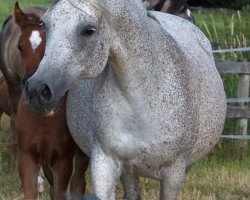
(42, 140)
(175, 7)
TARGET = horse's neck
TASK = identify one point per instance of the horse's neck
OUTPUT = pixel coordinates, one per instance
(131, 58)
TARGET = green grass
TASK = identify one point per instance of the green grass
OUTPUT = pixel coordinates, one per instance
(6, 7)
(225, 175)
(226, 29)
(210, 179)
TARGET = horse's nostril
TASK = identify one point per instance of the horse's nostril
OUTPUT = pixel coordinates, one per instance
(46, 93)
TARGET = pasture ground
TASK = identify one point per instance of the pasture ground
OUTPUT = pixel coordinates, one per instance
(224, 175)
(216, 177)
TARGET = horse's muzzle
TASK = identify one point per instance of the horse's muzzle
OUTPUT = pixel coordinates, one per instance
(39, 95)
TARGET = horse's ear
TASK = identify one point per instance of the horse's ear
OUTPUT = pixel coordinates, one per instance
(19, 17)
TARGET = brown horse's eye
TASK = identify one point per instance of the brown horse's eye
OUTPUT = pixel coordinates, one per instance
(42, 25)
(20, 48)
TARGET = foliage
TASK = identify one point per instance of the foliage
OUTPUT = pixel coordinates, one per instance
(6, 7)
(234, 4)
(227, 29)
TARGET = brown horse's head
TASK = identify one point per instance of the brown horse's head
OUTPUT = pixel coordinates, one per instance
(32, 41)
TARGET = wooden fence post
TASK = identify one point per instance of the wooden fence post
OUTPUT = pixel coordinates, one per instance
(240, 112)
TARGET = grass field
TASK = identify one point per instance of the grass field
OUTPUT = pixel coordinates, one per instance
(6, 7)
(224, 175)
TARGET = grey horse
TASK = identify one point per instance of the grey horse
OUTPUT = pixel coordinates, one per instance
(150, 103)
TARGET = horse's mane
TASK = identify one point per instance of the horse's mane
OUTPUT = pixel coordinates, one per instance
(96, 4)
(6, 21)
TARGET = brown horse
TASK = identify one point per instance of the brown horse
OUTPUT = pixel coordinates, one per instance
(44, 140)
(4, 98)
(5, 107)
(11, 67)
(174, 7)
(10, 59)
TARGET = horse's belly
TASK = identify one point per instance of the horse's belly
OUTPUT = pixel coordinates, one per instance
(143, 136)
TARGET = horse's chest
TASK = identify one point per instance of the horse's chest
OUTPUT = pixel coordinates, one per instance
(129, 129)
(129, 132)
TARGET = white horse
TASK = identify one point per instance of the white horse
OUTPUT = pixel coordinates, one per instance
(151, 103)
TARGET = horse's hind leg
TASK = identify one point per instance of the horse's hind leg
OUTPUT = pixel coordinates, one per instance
(28, 166)
(1, 113)
(78, 180)
(14, 150)
(172, 178)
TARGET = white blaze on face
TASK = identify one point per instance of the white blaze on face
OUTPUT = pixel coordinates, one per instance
(35, 39)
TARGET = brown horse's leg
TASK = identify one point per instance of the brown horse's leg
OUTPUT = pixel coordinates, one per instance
(1, 113)
(28, 167)
(78, 180)
(49, 176)
(62, 171)
(13, 150)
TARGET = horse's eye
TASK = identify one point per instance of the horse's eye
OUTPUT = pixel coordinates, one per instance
(20, 48)
(88, 31)
(42, 25)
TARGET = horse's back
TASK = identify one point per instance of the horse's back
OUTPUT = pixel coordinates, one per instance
(182, 30)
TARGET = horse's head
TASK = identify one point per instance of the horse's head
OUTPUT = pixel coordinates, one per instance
(77, 47)
(32, 41)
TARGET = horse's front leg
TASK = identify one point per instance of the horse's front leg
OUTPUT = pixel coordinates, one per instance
(105, 171)
(28, 167)
(62, 171)
(49, 176)
(131, 187)
(172, 178)
(78, 179)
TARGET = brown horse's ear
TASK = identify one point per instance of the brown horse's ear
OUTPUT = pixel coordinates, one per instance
(19, 17)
